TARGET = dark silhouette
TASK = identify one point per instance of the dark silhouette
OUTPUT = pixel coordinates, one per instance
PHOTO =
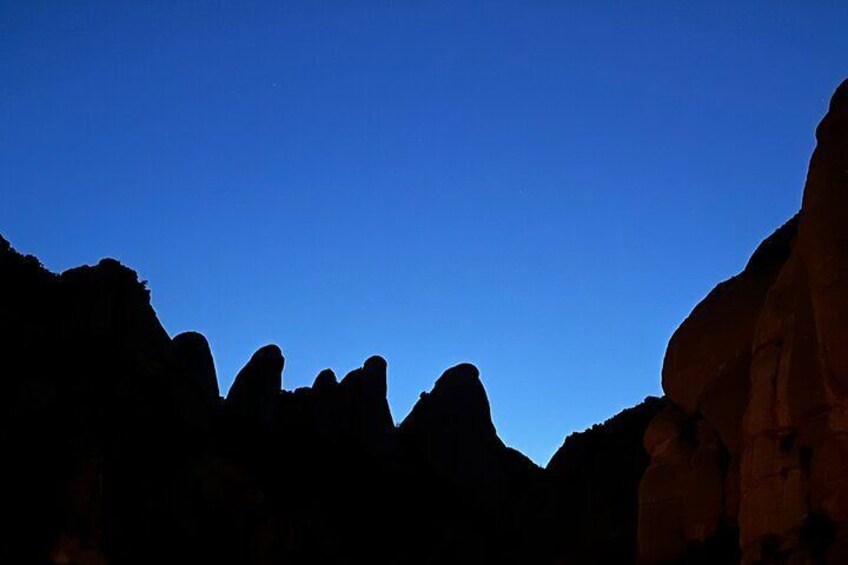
(119, 449)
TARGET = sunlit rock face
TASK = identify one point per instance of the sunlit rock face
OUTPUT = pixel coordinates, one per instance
(754, 444)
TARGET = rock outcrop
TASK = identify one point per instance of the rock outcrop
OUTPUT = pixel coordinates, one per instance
(752, 445)
(192, 355)
(450, 429)
(364, 405)
(119, 448)
(584, 508)
(256, 387)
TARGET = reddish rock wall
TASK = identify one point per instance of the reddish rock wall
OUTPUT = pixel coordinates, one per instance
(754, 442)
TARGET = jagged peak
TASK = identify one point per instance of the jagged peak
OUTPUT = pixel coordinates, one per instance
(271, 354)
(257, 386)
(9, 253)
(457, 403)
(108, 274)
(459, 377)
(375, 364)
(370, 379)
(326, 380)
(192, 338)
(192, 351)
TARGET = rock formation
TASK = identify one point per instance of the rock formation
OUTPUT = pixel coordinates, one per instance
(450, 429)
(752, 444)
(118, 448)
(583, 508)
(191, 353)
(255, 388)
(364, 405)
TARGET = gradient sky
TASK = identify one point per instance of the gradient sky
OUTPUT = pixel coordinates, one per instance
(544, 189)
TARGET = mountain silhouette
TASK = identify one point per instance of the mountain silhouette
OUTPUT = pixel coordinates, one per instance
(119, 449)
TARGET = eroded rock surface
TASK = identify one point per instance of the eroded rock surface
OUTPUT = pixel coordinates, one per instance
(751, 447)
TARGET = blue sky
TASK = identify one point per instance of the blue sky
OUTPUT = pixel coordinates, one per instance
(544, 189)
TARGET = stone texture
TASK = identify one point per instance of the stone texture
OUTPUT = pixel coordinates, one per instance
(762, 360)
(823, 239)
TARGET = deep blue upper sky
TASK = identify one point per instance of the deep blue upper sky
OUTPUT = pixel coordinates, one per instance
(545, 189)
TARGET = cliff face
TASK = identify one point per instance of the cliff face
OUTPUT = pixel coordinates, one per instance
(118, 449)
(752, 446)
